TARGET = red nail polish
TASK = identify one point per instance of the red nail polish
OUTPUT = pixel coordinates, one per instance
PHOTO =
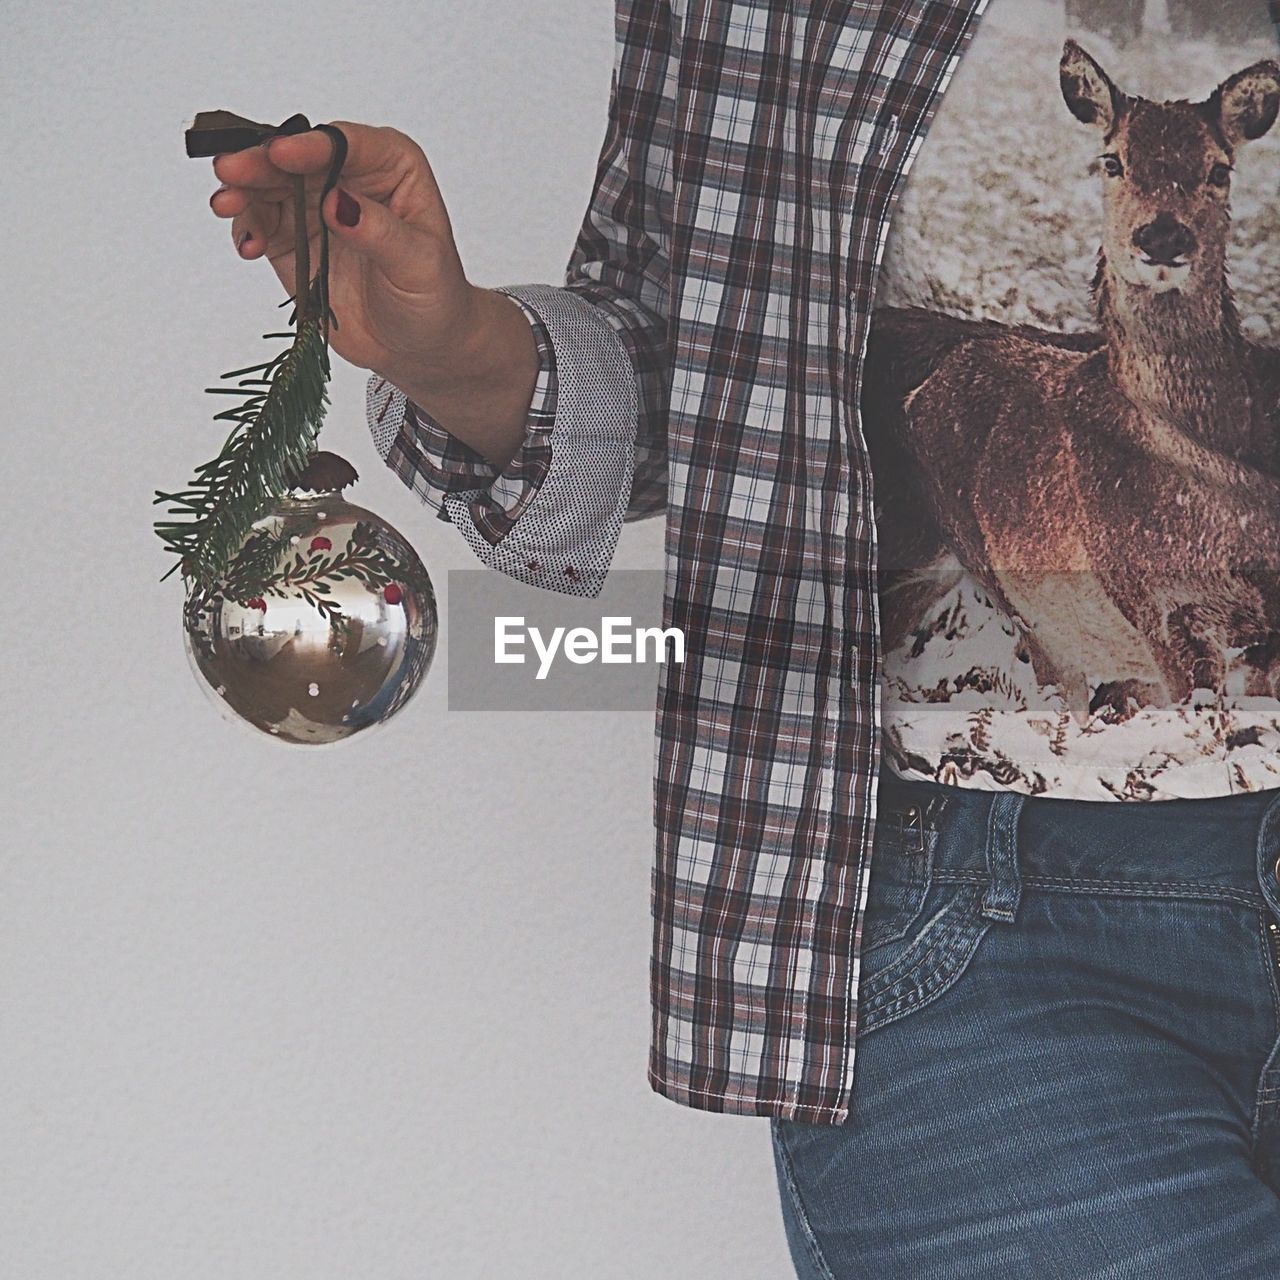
(348, 210)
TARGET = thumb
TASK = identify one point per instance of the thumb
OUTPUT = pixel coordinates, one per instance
(372, 230)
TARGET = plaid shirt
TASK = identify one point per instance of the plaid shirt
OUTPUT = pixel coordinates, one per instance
(704, 356)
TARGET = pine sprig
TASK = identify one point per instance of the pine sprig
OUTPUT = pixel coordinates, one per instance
(282, 407)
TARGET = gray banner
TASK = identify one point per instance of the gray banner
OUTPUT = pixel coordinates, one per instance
(517, 648)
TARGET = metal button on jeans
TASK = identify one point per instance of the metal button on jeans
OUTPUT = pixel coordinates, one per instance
(911, 829)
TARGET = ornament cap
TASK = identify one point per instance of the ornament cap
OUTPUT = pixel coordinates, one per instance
(324, 473)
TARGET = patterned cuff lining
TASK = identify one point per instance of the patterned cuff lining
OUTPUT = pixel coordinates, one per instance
(548, 522)
(413, 443)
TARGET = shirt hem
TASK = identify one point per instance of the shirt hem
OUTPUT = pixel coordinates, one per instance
(727, 1102)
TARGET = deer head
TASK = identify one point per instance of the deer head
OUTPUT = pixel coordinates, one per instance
(1167, 168)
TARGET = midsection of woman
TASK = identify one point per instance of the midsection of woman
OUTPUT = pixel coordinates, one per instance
(1069, 1046)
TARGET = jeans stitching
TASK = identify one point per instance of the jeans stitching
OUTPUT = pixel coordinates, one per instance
(911, 1002)
(1122, 888)
(877, 983)
(920, 895)
(1004, 890)
(797, 1204)
(883, 1007)
(1268, 1093)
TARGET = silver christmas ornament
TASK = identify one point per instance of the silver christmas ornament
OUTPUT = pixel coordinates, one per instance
(325, 623)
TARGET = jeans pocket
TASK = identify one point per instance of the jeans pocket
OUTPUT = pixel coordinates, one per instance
(905, 975)
(901, 861)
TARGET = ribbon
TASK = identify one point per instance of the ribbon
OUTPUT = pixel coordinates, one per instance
(216, 132)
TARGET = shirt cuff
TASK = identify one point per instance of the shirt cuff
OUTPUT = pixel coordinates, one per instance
(552, 516)
(436, 464)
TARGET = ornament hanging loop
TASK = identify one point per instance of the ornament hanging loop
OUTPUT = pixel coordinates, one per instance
(311, 298)
(216, 132)
(301, 252)
(339, 140)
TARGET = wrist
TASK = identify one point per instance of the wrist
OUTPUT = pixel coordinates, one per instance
(489, 343)
(478, 385)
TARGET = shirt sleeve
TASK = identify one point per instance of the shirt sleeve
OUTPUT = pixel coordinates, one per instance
(550, 517)
(434, 463)
(594, 452)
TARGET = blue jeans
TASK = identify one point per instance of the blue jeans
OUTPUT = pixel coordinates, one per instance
(1068, 1059)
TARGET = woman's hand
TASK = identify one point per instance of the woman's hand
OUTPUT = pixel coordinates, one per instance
(403, 304)
(396, 284)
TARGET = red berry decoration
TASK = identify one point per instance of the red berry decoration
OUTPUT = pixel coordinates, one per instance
(392, 594)
(321, 544)
(256, 603)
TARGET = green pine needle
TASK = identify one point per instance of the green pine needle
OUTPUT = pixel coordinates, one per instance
(276, 424)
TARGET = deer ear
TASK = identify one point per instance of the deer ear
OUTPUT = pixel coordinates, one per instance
(1247, 102)
(1092, 97)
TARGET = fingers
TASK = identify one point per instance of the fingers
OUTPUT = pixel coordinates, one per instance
(404, 253)
(387, 209)
(248, 168)
(382, 164)
(371, 150)
(247, 244)
(262, 229)
(227, 202)
(253, 218)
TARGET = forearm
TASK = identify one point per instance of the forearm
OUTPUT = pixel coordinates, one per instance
(550, 517)
(480, 389)
(546, 425)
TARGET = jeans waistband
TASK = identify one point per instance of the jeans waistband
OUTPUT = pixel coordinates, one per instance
(1228, 845)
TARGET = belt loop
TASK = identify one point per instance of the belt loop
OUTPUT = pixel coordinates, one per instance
(1004, 893)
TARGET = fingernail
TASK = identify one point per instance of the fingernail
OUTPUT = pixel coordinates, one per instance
(348, 210)
(217, 193)
(242, 240)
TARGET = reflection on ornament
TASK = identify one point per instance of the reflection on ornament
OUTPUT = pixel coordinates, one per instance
(313, 646)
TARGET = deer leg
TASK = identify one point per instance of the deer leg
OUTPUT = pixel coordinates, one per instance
(1193, 656)
(1078, 634)
(1126, 697)
(1261, 664)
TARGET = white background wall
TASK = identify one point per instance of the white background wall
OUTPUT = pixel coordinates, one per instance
(265, 1014)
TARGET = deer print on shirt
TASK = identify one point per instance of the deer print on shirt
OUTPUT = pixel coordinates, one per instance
(1116, 493)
